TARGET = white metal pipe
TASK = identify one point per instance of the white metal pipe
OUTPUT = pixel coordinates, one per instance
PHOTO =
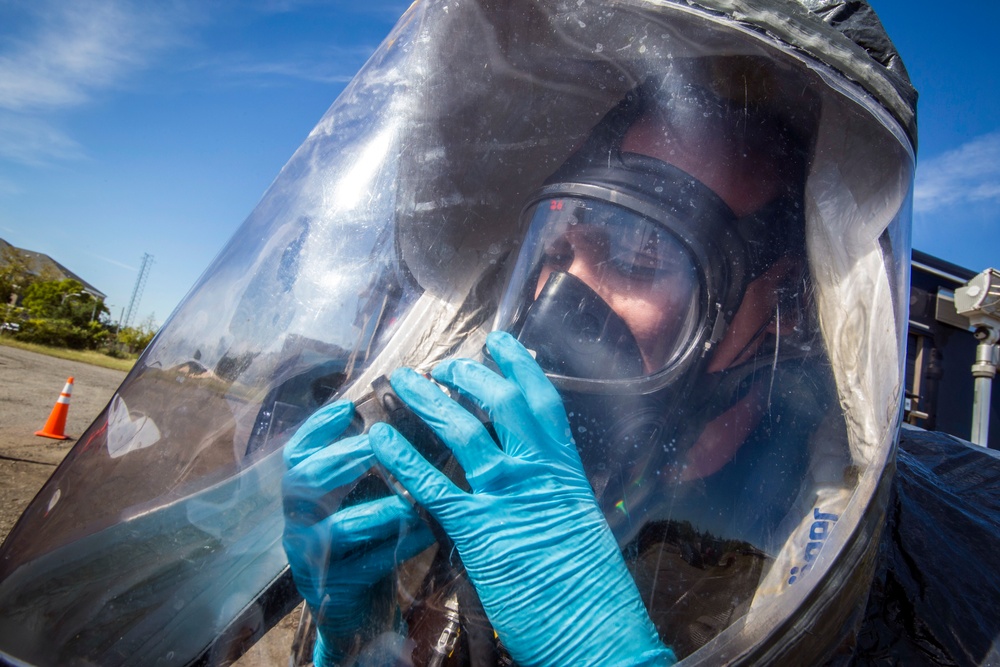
(984, 370)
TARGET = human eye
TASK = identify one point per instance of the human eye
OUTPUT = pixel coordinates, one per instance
(634, 267)
(647, 258)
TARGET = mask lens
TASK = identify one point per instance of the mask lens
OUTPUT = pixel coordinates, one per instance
(637, 275)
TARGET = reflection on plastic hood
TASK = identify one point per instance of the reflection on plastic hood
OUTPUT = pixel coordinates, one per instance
(127, 433)
(356, 183)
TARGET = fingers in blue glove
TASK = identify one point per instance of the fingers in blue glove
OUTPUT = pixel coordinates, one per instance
(319, 463)
(465, 435)
(429, 487)
(383, 532)
(334, 467)
(337, 562)
(323, 427)
(517, 364)
(499, 398)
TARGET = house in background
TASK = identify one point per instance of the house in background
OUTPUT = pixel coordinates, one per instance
(40, 264)
(940, 352)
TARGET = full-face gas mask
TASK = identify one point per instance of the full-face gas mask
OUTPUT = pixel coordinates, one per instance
(656, 242)
(736, 180)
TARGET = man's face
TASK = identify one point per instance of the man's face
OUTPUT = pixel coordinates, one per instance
(638, 268)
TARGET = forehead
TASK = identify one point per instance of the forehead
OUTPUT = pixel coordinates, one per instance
(745, 179)
(587, 214)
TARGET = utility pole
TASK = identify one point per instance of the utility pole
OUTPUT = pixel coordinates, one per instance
(140, 283)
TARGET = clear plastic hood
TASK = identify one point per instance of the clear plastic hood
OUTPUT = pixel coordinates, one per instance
(392, 237)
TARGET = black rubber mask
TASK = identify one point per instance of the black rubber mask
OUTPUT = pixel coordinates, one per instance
(575, 333)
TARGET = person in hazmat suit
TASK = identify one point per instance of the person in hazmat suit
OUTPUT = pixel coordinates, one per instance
(653, 257)
(625, 254)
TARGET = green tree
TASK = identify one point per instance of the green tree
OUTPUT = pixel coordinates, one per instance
(54, 333)
(82, 309)
(15, 274)
(44, 299)
(62, 300)
(135, 339)
(61, 314)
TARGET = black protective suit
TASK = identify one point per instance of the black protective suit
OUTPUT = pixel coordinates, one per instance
(936, 594)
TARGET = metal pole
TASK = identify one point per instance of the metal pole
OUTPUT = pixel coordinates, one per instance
(984, 370)
(979, 300)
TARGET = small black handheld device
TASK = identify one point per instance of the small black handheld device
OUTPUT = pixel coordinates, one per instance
(383, 405)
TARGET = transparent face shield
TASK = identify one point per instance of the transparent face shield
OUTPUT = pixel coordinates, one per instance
(737, 436)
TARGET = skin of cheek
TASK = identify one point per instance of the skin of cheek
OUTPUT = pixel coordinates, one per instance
(651, 313)
(758, 306)
(647, 309)
(724, 435)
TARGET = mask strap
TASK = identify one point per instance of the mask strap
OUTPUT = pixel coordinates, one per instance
(757, 335)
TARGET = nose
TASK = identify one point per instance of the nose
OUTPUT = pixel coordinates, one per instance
(577, 256)
(579, 259)
(588, 262)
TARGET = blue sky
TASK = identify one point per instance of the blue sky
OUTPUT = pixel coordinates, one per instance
(133, 127)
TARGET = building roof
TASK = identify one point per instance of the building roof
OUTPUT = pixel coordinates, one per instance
(41, 264)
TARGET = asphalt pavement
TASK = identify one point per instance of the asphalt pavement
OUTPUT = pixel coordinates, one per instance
(30, 384)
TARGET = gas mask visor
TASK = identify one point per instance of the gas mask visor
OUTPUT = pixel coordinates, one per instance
(612, 290)
(615, 293)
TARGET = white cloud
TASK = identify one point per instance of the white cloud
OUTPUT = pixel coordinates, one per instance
(114, 262)
(335, 66)
(69, 50)
(32, 141)
(58, 55)
(325, 63)
(969, 174)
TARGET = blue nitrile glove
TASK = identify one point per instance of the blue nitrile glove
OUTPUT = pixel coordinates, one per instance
(336, 560)
(531, 535)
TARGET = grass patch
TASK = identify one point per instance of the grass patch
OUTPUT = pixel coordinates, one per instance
(86, 356)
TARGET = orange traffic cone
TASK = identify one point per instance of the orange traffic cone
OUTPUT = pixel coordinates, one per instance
(56, 425)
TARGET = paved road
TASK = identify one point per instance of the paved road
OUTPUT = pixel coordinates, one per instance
(29, 386)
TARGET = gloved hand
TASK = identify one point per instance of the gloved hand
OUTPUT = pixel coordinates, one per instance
(338, 559)
(531, 536)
